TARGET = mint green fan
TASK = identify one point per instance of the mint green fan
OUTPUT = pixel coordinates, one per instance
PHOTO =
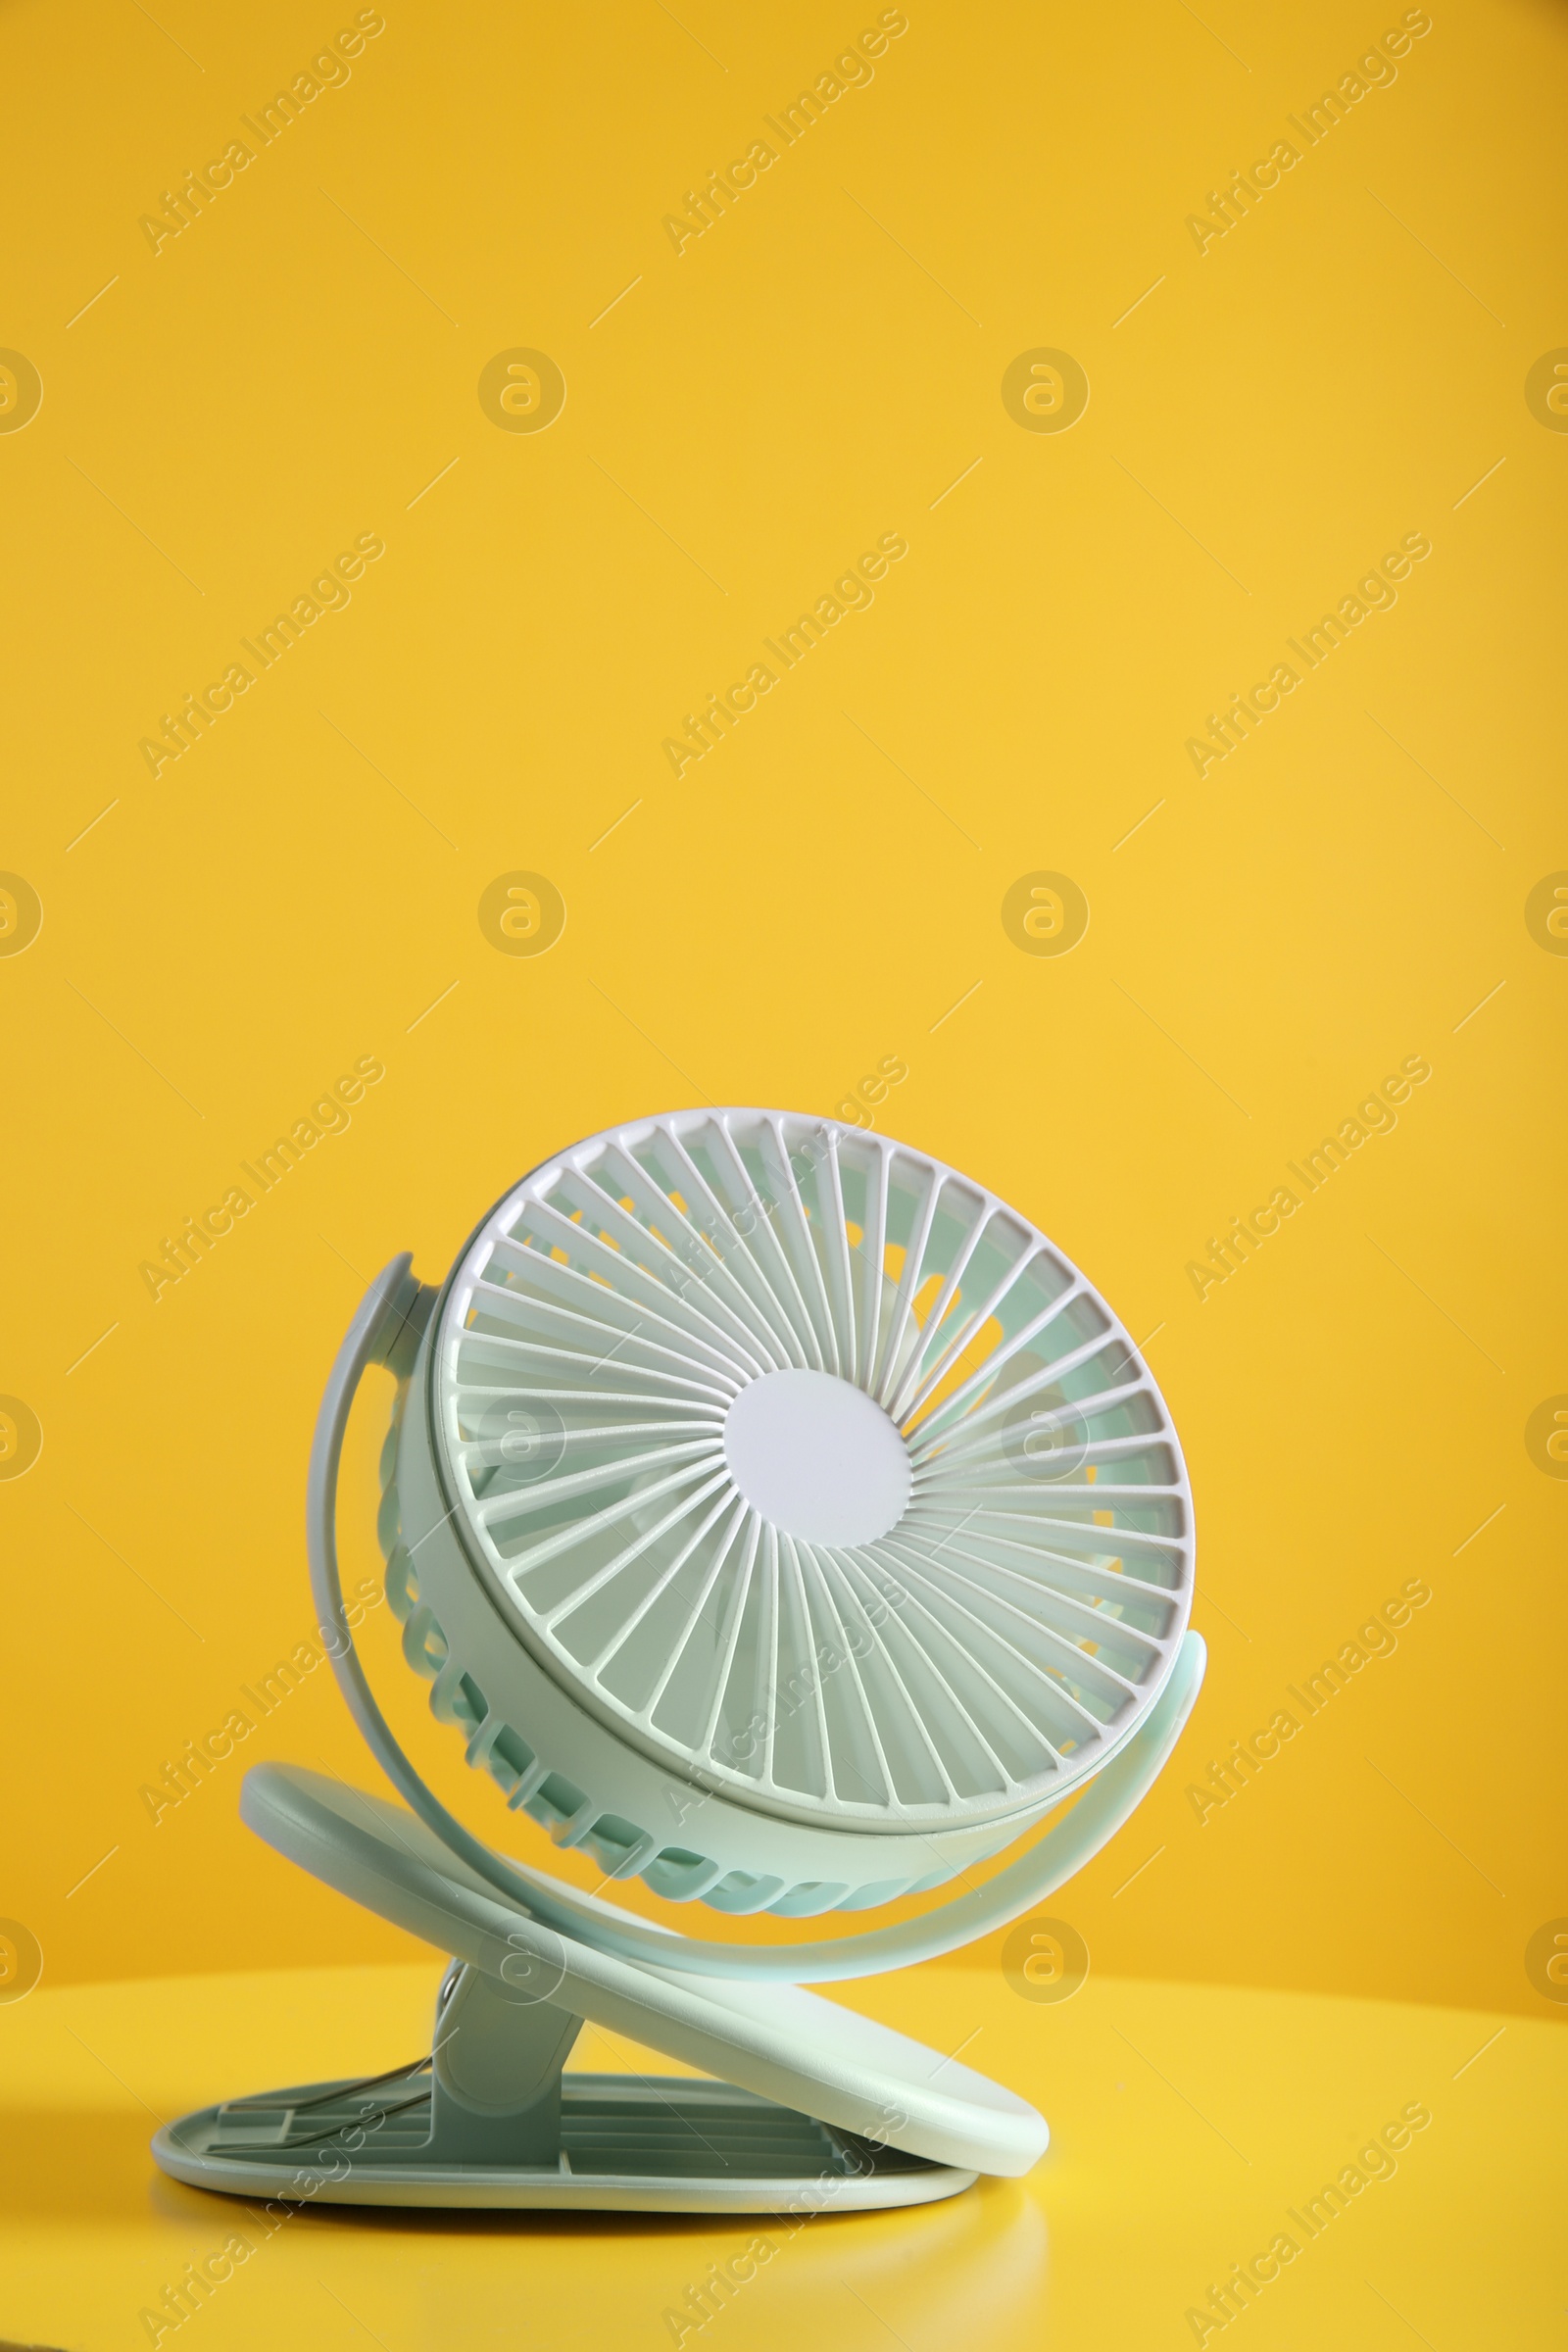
(778, 1518)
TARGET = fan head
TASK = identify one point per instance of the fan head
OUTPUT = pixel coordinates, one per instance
(781, 1516)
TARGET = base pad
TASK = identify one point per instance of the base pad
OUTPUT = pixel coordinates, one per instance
(628, 2142)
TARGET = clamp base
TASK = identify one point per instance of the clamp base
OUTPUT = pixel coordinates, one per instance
(630, 2144)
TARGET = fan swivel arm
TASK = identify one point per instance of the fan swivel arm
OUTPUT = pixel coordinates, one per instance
(385, 1331)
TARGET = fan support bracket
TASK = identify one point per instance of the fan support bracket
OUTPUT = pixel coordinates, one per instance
(489, 2120)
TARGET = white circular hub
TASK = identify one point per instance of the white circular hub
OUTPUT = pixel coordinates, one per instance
(817, 1456)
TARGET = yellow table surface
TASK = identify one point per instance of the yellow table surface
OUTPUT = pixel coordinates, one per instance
(1187, 2123)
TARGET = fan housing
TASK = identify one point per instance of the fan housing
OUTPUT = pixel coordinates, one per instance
(754, 1467)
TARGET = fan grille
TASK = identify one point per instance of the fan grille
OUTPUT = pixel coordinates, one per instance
(977, 1660)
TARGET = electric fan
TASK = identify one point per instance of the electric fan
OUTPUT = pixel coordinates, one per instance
(782, 1520)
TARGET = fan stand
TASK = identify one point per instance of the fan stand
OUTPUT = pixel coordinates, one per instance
(805, 2105)
(626, 2142)
(867, 2118)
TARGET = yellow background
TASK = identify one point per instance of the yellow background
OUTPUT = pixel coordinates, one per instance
(823, 366)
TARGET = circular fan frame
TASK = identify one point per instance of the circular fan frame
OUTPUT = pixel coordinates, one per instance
(973, 1665)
